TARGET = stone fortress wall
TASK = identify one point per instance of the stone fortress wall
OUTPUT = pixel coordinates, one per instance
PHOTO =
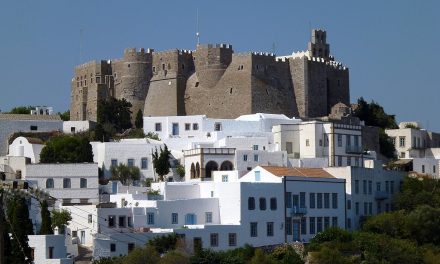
(215, 81)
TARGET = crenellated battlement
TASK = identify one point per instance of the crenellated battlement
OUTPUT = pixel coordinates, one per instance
(140, 51)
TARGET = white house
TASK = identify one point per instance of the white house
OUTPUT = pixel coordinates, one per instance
(48, 249)
(337, 144)
(370, 191)
(11, 123)
(26, 147)
(428, 166)
(71, 127)
(72, 183)
(314, 199)
(131, 152)
(412, 141)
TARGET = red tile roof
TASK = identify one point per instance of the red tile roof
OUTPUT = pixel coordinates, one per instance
(298, 172)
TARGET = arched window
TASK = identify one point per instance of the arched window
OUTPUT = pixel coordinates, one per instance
(193, 171)
(210, 166)
(226, 166)
(49, 183)
(197, 170)
(66, 183)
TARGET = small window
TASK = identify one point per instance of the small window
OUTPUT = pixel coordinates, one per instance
(121, 222)
(269, 229)
(158, 126)
(245, 157)
(130, 162)
(262, 204)
(224, 178)
(307, 143)
(218, 126)
(72, 130)
(197, 84)
(50, 253)
(251, 203)
(111, 221)
(49, 183)
(257, 176)
(208, 217)
(74, 233)
(112, 247)
(254, 229)
(83, 183)
(174, 218)
(273, 203)
(214, 239)
(150, 218)
(423, 168)
(130, 247)
(232, 239)
(34, 128)
(144, 163)
(339, 140)
(255, 147)
(256, 157)
(114, 162)
(195, 126)
(89, 218)
(187, 126)
(66, 183)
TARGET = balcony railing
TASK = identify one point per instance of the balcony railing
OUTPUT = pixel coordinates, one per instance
(381, 195)
(354, 149)
(298, 211)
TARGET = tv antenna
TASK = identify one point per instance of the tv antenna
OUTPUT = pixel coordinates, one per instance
(80, 44)
(197, 28)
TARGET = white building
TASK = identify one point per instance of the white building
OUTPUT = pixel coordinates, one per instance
(71, 127)
(199, 129)
(314, 199)
(370, 191)
(317, 142)
(428, 166)
(131, 152)
(26, 147)
(72, 183)
(48, 249)
(11, 123)
(412, 141)
(42, 110)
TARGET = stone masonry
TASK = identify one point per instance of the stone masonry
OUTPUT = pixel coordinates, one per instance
(214, 81)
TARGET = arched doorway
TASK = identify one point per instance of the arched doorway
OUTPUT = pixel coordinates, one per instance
(193, 171)
(197, 170)
(210, 166)
(226, 166)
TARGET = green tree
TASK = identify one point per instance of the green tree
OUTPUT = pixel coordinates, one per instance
(161, 162)
(286, 254)
(391, 224)
(423, 225)
(22, 110)
(115, 112)
(180, 171)
(163, 244)
(175, 257)
(46, 220)
(60, 218)
(374, 115)
(328, 255)
(20, 226)
(65, 116)
(125, 174)
(139, 122)
(67, 149)
(152, 135)
(260, 257)
(418, 191)
(147, 255)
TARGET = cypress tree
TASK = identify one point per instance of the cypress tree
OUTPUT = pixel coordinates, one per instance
(139, 122)
(46, 220)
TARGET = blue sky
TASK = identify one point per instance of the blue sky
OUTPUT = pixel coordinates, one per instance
(391, 47)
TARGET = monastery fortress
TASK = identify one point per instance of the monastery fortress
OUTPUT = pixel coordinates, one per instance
(214, 81)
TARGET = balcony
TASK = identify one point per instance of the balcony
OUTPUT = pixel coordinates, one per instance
(354, 149)
(298, 211)
(381, 195)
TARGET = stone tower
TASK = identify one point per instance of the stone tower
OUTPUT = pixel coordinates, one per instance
(211, 62)
(171, 70)
(132, 78)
